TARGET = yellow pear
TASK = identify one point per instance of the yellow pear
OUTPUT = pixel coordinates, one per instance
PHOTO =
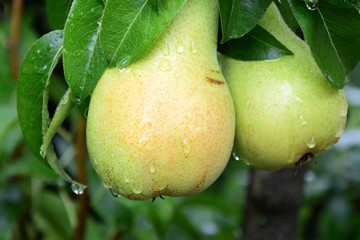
(165, 125)
(286, 111)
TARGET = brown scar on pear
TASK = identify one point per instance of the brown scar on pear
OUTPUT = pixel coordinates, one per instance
(214, 81)
(217, 71)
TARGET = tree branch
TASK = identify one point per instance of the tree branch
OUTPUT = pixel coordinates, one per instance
(16, 15)
(83, 199)
(273, 203)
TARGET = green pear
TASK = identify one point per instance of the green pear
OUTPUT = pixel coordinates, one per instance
(165, 125)
(286, 111)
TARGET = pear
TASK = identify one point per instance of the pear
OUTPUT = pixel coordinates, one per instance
(286, 111)
(165, 125)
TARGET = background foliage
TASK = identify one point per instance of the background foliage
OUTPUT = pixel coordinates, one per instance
(35, 204)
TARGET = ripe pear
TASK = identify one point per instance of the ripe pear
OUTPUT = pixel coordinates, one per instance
(165, 125)
(286, 111)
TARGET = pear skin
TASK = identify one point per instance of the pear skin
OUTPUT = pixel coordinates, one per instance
(165, 125)
(286, 111)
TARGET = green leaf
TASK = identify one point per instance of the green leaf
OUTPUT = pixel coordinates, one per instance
(57, 12)
(333, 35)
(288, 16)
(239, 17)
(63, 109)
(129, 28)
(257, 45)
(84, 60)
(32, 95)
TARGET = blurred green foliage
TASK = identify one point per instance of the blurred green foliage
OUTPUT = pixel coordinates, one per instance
(35, 204)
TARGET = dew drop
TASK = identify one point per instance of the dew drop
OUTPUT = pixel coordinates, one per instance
(152, 167)
(137, 187)
(312, 4)
(38, 51)
(166, 49)
(302, 120)
(86, 112)
(235, 156)
(106, 185)
(143, 139)
(78, 100)
(122, 65)
(193, 48)
(339, 132)
(180, 47)
(311, 143)
(42, 151)
(114, 193)
(343, 111)
(165, 65)
(186, 146)
(77, 188)
(45, 67)
(298, 99)
(126, 178)
(248, 104)
(251, 130)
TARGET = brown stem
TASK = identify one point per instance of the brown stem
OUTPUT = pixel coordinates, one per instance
(83, 200)
(16, 14)
(273, 204)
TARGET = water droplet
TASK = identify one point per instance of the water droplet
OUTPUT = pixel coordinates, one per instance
(106, 185)
(180, 47)
(165, 65)
(302, 120)
(193, 48)
(38, 51)
(344, 111)
(339, 132)
(152, 167)
(42, 151)
(166, 49)
(312, 143)
(92, 10)
(235, 156)
(312, 4)
(126, 178)
(159, 186)
(248, 104)
(45, 67)
(114, 193)
(329, 146)
(137, 187)
(186, 146)
(251, 130)
(78, 188)
(78, 100)
(86, 112)
(122, 64)
(298, 99)
(143, 139)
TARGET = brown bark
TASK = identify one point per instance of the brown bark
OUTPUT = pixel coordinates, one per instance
(82, 199)
(16, 14)
(273, 203)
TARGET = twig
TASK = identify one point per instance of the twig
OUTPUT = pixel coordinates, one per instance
(16, 14)
(83, 200)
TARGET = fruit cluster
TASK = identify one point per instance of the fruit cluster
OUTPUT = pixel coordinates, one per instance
(166, 124)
